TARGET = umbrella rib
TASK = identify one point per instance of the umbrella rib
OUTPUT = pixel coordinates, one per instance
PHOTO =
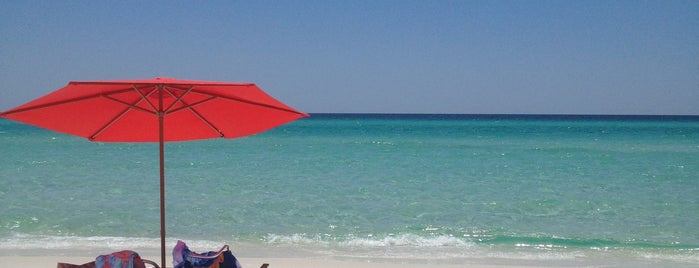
(179, 99)
(250, 102)
(109, 123)
(123, 113)
(190, 106)
(98, 95)
(207, 122)
(144, 97)
(130, 106)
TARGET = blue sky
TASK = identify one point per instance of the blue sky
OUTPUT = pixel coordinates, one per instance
(533, 57)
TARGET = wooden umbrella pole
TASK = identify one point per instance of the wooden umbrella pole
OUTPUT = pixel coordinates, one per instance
(162, 197)
(161, 123)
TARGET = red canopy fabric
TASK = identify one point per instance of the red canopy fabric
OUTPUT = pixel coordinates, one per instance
(127, 110)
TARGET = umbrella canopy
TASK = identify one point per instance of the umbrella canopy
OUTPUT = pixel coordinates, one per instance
(129, 110)
(155, 110)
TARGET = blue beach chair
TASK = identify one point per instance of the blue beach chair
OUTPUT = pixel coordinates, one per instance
(183, 257)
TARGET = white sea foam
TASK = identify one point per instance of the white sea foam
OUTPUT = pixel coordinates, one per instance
(401, 240)
(410, 246)
(409, 240)
(403, 246)
(19, 242)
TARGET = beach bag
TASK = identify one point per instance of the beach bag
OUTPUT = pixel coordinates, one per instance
(121, 259)
(182, 257)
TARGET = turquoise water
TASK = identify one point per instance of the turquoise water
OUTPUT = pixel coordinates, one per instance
(379, 186)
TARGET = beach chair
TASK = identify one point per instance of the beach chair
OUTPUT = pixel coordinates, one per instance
(182, 257)
(125, 258)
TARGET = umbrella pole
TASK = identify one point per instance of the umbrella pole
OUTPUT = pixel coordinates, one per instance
(162, 197)
(161, 139)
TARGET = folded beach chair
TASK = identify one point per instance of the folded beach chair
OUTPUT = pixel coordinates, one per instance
(182, 257)
(121, 259)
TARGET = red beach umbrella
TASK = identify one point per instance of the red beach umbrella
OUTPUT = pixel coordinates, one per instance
(155, 110)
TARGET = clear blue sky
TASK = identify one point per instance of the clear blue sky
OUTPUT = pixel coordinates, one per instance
(541, 57)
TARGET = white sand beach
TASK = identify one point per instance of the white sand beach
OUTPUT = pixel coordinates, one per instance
(253, 256)
(51, 261)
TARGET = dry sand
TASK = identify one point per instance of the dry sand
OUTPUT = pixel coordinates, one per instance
(51, 261)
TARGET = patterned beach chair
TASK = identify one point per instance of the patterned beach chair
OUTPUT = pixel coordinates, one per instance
(121, 259)
(182, 257)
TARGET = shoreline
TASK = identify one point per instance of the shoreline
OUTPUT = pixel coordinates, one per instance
(304, 262)
(288, 262)
(253, 258)
(42, 251)
(286, 255)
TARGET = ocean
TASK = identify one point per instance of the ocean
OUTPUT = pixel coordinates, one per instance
(569, 190)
